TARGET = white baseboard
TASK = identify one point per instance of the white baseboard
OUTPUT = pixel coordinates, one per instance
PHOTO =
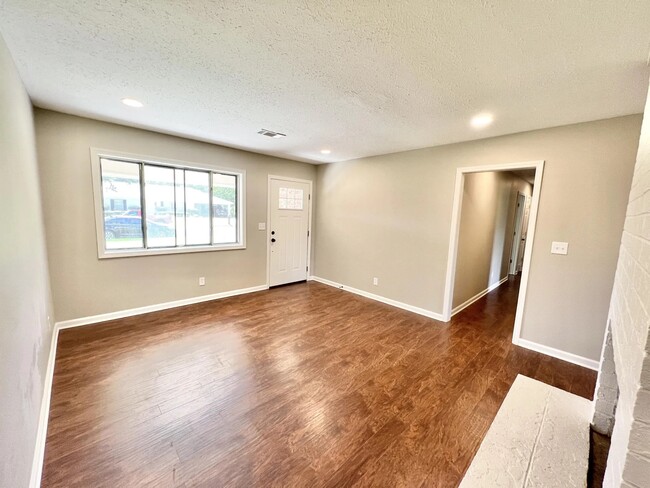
(39, 451)
(549, 351)
(41, 433)
(93, 319)
(478, 296)
(379, 298)
(557, 353)
(41, 436)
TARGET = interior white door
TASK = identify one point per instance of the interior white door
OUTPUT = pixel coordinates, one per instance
(516, 238)
(288, 231)
(524, 234)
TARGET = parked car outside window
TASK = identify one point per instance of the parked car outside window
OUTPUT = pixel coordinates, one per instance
(121, 227)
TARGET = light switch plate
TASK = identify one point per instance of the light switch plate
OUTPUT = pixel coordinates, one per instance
(559, 247)
(261, 226)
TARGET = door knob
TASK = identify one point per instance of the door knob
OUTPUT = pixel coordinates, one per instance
(273, 240)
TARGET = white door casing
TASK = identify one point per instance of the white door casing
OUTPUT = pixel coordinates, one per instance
(538, 166)
(289, 229)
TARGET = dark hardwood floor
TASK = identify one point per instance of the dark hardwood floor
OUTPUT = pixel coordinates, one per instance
(303, 385)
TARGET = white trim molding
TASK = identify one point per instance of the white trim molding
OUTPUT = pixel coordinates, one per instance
(41, 434)
(379, 298)
(478, 296)
(538, 166)
(94, 319)
(557, 353)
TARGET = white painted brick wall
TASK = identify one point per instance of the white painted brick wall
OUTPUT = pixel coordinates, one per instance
(628, 464)
(606, 395)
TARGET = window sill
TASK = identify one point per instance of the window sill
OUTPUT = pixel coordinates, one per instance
(126, 253)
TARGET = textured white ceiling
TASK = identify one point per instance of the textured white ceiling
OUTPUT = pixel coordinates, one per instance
(358, 77)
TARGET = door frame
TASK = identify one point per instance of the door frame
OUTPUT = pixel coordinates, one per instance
(268, 222)
(516, 243)
(538, 166)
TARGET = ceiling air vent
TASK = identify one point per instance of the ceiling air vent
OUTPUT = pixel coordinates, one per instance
(271, 133)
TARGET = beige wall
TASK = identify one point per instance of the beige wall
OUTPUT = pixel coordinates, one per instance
(82, 284)
(389, 216)
(25, 330)
(485, 232)
(628, 464)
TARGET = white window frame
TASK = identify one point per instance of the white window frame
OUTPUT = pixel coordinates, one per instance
(102, 253)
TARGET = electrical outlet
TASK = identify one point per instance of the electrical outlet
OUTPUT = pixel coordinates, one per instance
(375, 281)
(261, 226)
(202, 281)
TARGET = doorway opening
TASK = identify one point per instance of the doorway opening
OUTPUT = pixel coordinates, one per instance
(288, 230)
(492, 233)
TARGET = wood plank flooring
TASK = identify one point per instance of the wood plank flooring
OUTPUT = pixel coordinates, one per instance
(303, 385)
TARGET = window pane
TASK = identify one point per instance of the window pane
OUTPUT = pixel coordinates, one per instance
(224, 208)
(159, 201)
(121, 201)
(180, 207)
(291, 199)
(197, 207)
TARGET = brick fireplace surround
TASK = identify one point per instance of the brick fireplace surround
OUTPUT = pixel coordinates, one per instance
(622, 400)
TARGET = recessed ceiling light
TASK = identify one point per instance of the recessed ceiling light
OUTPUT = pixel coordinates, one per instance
(325, 151)
(132, 102)
(482, 120)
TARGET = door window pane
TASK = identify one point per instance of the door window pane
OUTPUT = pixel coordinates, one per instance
(159, 205)
(224, 208)
(121, 204)
(197, 207)
(290, 199)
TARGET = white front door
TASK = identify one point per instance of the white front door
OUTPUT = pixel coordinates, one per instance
(288, 231)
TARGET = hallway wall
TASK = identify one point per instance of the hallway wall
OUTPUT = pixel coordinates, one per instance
(486, 229)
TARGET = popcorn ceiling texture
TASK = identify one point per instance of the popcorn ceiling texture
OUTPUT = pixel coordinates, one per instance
(628, 463)
(360, 78)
